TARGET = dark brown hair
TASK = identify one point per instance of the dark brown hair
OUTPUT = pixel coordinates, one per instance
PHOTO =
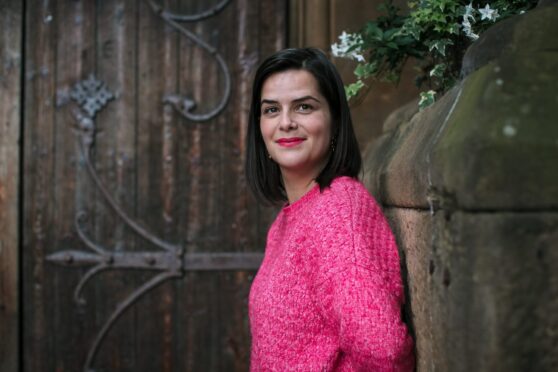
(263, 174)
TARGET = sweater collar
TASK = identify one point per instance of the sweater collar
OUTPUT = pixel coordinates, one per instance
(304, 200)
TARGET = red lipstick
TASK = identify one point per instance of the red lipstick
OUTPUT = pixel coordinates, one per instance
(290, 142)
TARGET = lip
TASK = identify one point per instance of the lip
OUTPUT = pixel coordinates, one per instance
(290, 142)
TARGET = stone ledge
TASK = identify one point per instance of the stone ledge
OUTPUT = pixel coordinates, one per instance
(491, 143)
(531, 32)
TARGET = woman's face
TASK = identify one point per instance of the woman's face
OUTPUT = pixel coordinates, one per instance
(295, 122)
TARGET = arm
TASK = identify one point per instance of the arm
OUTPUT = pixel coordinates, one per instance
(360, 291)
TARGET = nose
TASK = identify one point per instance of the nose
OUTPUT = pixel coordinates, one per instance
(286, 122)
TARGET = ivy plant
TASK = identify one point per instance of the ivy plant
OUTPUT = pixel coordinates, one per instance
(435, 33)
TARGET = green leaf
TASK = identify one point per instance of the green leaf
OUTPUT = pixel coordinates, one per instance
(405, 40)
(352, 90)
(372, 28)
(412, 29)
(390, 34)
(426, 99)
(454, 29)
(364, 70)
(391, 77)
(438, 70)
(439, 45)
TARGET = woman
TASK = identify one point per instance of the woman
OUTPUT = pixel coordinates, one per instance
(328, 295)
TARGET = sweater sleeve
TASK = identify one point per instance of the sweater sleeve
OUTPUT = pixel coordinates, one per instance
(359, 289)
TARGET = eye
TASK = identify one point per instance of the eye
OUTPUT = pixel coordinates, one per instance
(268, 110)
(304, 107)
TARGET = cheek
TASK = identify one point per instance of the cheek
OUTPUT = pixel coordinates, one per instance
(263, 129)
(266, 131)
(323, 131)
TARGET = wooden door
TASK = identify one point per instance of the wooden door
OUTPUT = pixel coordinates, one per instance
(139, 236)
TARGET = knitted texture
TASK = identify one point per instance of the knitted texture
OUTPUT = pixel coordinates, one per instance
(328, 295)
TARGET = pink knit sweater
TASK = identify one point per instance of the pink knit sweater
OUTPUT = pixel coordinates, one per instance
(328, 295)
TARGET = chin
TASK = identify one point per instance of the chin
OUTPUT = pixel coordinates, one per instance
(289, 161)
(298, 167)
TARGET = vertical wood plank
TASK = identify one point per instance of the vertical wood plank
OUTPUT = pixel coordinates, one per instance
(38, 187)
(73, 189)
(207, 213)
(115, 160)
(11, 19)
(196, 77)
(158, 167)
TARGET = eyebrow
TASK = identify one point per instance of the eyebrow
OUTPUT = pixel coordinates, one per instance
(270, 101)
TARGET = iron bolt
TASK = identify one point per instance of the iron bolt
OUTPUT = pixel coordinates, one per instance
(150, 260)
(109, 260)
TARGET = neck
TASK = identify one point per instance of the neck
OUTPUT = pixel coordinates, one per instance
(297, 186)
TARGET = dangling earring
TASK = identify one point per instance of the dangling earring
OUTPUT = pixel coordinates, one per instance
(332, 145)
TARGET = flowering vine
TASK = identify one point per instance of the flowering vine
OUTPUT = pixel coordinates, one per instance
(435, 33)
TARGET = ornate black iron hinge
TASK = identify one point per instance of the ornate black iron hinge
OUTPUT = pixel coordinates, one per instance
(170, 260)
(185, 105)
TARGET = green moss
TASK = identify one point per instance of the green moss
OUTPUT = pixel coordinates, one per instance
(500, 144)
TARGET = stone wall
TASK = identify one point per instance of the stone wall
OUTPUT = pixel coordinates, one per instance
(470, 186)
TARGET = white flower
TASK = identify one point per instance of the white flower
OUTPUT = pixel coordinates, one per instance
(346, 42)
(467, 28)
(469, 12)
(345, 38)
(487, 13)
(337, 50)
(359, 57)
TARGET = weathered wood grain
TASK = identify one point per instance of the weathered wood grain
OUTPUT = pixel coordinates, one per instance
(115, 159)
(38, 194)
(158, 194)
(11, 19)
(72, 189)
(182, 180)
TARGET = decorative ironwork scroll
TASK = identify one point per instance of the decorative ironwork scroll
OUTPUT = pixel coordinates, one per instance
(184, 105)
(91, 94)
(170, 261)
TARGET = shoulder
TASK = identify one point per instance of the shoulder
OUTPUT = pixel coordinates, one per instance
(348, 197)
(347, 187)
(346, 210)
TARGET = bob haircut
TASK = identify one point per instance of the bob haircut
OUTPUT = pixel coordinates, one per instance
(263, 174)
